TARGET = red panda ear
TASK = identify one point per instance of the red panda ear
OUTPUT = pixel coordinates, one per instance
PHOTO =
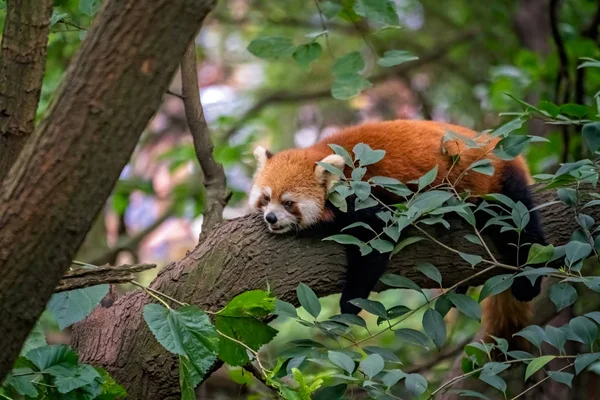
(326, 177)
(262, 155)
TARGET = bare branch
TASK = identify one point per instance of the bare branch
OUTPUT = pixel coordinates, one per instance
(214, 175)
(22, 61)
(82, 277)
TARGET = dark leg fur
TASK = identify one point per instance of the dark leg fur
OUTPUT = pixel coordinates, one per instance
(515, 187)
(363, 271)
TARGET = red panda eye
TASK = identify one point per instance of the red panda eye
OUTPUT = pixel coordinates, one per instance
(266, 198)
(288, 204)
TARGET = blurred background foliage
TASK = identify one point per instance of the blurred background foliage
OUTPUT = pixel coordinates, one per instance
(470, 55)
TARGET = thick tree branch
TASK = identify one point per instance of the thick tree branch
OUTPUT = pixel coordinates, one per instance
(214, 175)
(82, 277)
(68, 168)
(22, 61)
(402, 70)
(240, 255)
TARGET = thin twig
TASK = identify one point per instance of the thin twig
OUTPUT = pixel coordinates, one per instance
(324, 26)
(84, 277)
(169, 92)
(214, 175)
(541, 381)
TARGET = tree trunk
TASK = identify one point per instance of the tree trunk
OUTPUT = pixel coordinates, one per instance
(240, 255)
(67, 170)
(22, 60)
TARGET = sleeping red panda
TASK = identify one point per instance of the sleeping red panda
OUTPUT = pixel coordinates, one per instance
(291, 190)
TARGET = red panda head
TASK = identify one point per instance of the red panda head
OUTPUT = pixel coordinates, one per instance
(290, 188)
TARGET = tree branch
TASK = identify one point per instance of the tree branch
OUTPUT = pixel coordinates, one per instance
(82, 277)
(69, 167)
(241, 255)
(214, 175)
(22, 61)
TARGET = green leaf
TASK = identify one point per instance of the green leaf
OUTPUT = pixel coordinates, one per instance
(89, 7)
(361, 189)
(370, 306)
(309, 300)
(335, 392)
(495, 285)
(509, 127)
(565, 378)
(345, 87)
(413, 336)
(574, 110)
(73, 306)
(383, 246)
(379, 11)
(84, 375)
(340, 151)
(469, 393)
(539, 254)
(466, 305)
(369, 156)
(49, 356)
(407, 242)
(430, 271)
(494, 381)
(372, 365)
(473, 239)
(358, 173)
(562, 295)
(534, 334)
(385, 353)
(435, 327)
(341, 360)
(285, 308)
(344, 239)
(392, 377)
(428, 178)
(591, 136)
(271, 47)
(350, 63)
(552, 109)
(594, 316)
(583, 360)
(186, 331)
(511, 146)
(36, 338)
(349, 319)
(23, 384)
(555, 337)
(307, 53)
(472, 259)
(254, 303)
(188, 378)
(484, 167)
(395, 57)
(584, 329)
(250, 331)
(575, 251)
(567, 196)
(536, 365)
(331, 169)
(399, 281)
(360, 205)
(416, 384)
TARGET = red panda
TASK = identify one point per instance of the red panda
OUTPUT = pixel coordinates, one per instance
(291, 190)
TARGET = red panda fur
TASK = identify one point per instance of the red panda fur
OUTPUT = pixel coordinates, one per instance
(412, 149)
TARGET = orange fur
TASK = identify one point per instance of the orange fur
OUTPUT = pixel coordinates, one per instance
(412, 149)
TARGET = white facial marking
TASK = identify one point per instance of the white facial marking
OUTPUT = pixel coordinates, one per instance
(310, 211)
(255, 194)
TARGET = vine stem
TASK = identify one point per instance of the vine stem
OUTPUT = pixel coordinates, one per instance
(541, 381)
(154, 293)
(463, 376)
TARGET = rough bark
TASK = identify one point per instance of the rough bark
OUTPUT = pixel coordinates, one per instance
(241, 255)
(68, 168)
(22, 61)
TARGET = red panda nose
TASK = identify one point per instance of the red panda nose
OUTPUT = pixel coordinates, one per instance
(271, 218)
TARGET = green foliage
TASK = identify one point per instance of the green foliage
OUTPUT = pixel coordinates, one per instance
(74, 305)
(54, 372)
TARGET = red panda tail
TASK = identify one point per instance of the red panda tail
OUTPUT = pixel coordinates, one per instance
(503, 316)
